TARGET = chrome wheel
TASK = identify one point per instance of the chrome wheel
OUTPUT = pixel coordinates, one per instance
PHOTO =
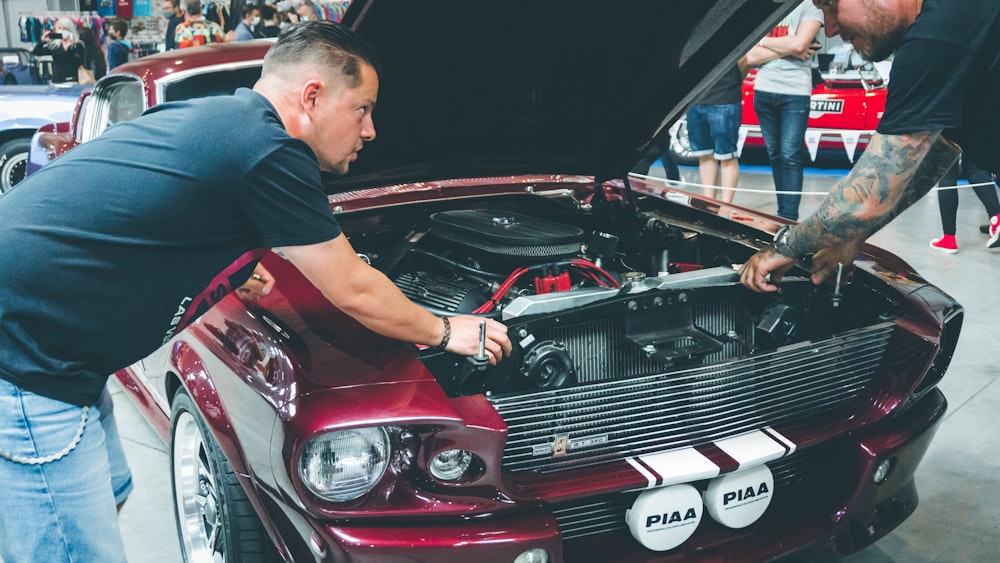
(196, 494)
(216, 522)
(680, 146)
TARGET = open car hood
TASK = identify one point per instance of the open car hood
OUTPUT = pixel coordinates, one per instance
(483, 88)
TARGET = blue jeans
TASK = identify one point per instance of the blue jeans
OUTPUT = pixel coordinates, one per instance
(783, 120)
(60, 510)
(714, 129)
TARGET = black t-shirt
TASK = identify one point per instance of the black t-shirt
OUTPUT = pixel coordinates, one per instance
(111, 248)
(946, 75)
(725, 90)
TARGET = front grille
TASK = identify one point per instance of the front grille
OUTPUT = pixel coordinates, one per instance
(618, 419)
(607, 513)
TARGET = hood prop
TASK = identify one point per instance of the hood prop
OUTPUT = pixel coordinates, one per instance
(616, 216)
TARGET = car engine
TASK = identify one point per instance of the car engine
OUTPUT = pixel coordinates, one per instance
(586, 304)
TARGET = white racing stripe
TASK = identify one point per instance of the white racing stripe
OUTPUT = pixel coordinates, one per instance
(675, 466)
(752, 448)
(688, 464)
(781, 438)
(650, 478)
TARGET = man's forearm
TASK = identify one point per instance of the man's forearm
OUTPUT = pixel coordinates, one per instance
(757, 56)
(894, 172)
(939, 159)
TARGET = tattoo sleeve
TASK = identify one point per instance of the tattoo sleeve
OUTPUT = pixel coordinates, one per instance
(893, 173)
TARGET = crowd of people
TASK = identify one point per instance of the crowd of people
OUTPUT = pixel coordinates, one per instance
(78, 55)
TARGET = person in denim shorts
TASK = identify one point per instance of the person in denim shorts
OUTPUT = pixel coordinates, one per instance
(713, 126)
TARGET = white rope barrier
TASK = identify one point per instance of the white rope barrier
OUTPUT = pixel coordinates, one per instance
(683, 184)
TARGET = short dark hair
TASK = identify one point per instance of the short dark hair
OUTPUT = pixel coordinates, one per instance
(194, 8)
(247, 10)
(267, 11)
(323, 43)
(120, 26)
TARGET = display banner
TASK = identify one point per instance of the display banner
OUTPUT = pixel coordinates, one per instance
(106, 8)
(123, 9)
(812, 142)
(142, 8)
(850, 142)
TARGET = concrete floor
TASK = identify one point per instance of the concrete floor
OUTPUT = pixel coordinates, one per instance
(957, 520)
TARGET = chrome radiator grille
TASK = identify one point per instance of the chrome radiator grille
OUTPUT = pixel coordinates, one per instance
(586, 342)
(613, 420)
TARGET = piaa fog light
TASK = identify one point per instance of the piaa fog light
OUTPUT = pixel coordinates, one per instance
(450, 465)
(343, 465)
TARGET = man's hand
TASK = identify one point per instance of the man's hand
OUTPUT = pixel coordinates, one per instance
(825, 261)
(465, 338)
(260, 284)
(756, 271)
(807, 53)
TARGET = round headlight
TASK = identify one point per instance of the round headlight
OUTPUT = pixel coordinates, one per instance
(449, 465)
(343, 465)
(533, 556)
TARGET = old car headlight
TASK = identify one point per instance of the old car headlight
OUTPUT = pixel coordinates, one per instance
(343, 465)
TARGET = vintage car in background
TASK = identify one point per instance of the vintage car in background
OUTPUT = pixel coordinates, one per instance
(23, 109)
(844, 111)
(17, 66)
(653, 409)
(128, 90)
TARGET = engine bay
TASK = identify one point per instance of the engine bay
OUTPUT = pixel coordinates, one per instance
(592, 293)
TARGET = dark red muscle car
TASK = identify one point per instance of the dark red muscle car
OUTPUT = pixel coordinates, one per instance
(653, 408)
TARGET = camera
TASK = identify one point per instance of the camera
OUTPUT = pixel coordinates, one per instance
(55, 36)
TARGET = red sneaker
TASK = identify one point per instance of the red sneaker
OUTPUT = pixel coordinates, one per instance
(946, 243)
(994, 232)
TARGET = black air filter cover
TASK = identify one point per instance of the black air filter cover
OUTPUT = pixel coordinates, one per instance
(507, 233)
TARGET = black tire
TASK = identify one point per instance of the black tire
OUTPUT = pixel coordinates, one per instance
(680, 147)
(215, 520)
(13, 162)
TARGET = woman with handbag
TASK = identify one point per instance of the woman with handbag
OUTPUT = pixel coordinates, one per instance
(93, 56)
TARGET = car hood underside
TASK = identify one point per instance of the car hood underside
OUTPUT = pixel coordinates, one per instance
(572, 87)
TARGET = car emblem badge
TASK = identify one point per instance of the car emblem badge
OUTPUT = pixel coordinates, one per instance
(560, 445)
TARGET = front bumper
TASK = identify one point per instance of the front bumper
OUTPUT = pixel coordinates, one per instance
(833, 508)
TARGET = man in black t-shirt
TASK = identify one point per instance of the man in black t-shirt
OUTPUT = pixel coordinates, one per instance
(105, 256)
(943, 95)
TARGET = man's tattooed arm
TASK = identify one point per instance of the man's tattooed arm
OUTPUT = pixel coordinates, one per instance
(940, 158)
(893, 173)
